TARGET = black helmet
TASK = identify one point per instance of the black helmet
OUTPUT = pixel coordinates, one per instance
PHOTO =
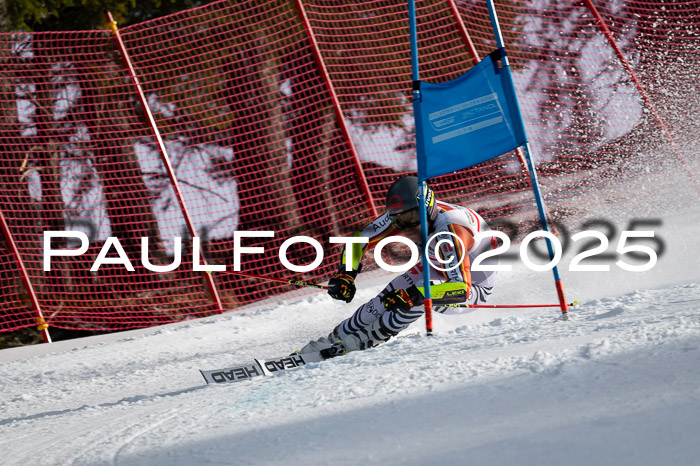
(402, 202)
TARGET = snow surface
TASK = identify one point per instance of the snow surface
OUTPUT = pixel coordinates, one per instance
(618, 384)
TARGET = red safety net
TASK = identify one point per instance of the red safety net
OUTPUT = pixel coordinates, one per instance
(246, 97)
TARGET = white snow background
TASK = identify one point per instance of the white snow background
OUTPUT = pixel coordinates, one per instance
(617, 384)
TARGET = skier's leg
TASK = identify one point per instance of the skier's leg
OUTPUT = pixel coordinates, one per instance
(479, 294)
(374, 324)
(373, 309)
(389, 323)
(363, 317)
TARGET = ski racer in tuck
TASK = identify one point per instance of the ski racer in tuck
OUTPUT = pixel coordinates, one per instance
(401, 302)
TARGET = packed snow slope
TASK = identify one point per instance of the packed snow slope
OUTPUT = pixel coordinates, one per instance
(617, 384)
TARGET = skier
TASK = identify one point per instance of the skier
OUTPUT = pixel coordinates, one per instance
(401, 302)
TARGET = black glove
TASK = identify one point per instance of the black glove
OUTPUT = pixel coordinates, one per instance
(342, 286)
(402, 301)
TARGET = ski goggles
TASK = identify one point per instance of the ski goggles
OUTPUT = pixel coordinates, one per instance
(408, 219)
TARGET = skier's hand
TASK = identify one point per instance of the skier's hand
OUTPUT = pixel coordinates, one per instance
(402, 301)
(342, 286)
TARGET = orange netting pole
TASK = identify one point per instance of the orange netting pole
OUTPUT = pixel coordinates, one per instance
(476, 59)
(163, 153)
(640, 88)
(463, 32)
(626, 65)
(42, 326)
(336, 104)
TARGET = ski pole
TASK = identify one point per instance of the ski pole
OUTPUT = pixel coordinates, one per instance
(503, 306)
(276, 279)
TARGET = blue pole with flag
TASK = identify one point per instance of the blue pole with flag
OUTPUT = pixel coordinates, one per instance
(512, 98)
(463, 122)
(415, 76)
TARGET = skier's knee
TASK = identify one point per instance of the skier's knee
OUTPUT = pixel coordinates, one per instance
(367, 337)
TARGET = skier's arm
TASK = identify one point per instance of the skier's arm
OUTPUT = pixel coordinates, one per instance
(342, 285)
(375, 231)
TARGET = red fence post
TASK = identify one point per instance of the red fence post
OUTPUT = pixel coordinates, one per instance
(41, 323)
(628, 68)
(476, 59)
(463, 32)
(163, 153)
(336, 104)
(638, 84)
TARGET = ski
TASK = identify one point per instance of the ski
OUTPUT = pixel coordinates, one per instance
(259, 368)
